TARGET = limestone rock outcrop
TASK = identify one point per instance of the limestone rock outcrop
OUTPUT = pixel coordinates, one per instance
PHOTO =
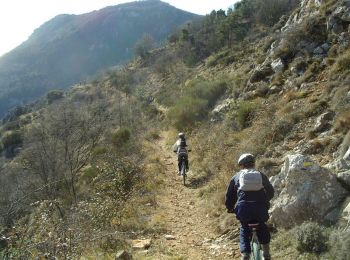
(304, 191)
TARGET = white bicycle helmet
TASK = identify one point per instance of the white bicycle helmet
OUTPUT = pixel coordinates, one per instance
(246, 158)
(181, 135)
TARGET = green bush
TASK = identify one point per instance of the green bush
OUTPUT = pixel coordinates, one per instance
(122, 80)
(209, 91)
(187, 111)
(89, 173)
(270, 11)
(279, 129)
(245, 113)
(54, 95)
(339, 245)
(194, 106)
(11, 139)
(311, 238)
(223, 58)
(343, 62)
(212, 61)
(121, 136)
(144, 45)
(99, 150)
(316, 108)
(168, 95)
(12, 125)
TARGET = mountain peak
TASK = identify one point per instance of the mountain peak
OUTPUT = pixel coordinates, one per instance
(69, 48)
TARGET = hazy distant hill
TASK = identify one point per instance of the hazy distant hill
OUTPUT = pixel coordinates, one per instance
(68, 48)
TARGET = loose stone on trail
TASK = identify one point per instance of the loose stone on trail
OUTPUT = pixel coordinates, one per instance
(141, 243)
(170, 237)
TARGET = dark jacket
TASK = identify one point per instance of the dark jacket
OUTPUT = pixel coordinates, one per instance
(250, 202)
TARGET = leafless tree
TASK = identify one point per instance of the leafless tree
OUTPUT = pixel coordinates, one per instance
(60, 144)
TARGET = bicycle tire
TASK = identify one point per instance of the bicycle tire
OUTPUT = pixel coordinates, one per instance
(183, 172)
(256, 251)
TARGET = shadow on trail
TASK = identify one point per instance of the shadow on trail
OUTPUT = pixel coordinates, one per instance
(199, 182)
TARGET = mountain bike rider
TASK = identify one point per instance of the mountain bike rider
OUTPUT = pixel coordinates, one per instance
(248, 196)
(181, 149)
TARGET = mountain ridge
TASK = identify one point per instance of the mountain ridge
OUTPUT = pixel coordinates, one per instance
(68, 48)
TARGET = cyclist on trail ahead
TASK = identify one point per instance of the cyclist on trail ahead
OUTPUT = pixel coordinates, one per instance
(248, 196)
(181, 149)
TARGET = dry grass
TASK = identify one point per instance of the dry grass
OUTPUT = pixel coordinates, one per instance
(342, 122)
(342, 63)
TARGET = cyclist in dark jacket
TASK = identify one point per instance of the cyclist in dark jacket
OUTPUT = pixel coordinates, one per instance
(181, 149)
(248, 196)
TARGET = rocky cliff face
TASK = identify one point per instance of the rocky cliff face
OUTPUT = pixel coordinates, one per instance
(306, 190)
(299, 67)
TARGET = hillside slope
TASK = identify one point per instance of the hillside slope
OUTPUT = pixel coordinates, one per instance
(70, 48)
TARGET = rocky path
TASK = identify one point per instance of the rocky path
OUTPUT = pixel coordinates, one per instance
(190, 231)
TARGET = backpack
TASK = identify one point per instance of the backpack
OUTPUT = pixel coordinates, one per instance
(182, 151)
(183, 143)
(250, 180)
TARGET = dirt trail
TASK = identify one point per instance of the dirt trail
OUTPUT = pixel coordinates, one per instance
(193, 233)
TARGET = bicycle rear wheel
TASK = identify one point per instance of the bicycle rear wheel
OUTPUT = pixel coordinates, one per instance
(183, 172)
(256, 251)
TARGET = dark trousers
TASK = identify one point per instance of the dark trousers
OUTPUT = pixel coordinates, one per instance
(246, 234)
(179, 161)
(252, 212)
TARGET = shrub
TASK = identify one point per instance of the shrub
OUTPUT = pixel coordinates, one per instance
(342, 123)
(245, 113)
(15, 113)
(12, 125)
(212, 61)
(187, 111)
(277, 79)
(99, 150)
(209, 91)
(311, 238)
(268, 164)
(280, 128)
(340, 244)
(144, 45)
(89, 173)
(198, 98)
(54, 95)
(121, 136)
(11, 139)
(122, 80)
(316, 108)
(224, 58)
(313, 28)
(310, 72)
(270, 11)
(153, 135)
(343, 62)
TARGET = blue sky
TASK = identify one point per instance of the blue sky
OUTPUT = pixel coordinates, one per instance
(19, 18)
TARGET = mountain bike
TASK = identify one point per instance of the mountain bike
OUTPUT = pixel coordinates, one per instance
(183, 169)
(254, 243)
